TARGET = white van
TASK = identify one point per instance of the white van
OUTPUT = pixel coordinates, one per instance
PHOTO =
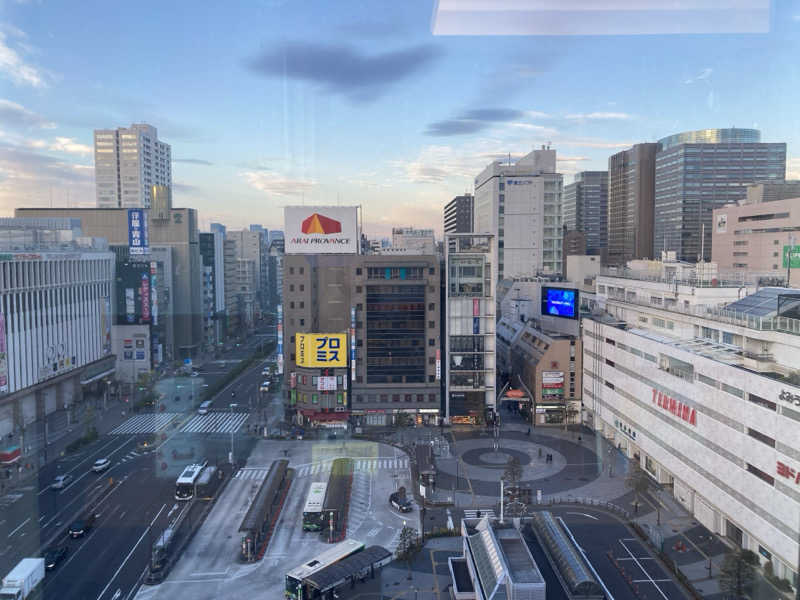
(204, 408)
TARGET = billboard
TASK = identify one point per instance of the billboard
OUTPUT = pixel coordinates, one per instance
(321, 229)
(321, 349)
(133, 293)
(791, 257)
(3, 355)
(560, 302)
(138, 242)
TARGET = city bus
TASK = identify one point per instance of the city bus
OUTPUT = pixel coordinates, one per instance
(312, 513)
(184, 487)
(295, 578)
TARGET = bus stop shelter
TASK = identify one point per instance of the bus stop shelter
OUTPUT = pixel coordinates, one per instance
(358, 566)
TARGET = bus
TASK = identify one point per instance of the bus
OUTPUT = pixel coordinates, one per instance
(295, 588)
(204, 407)
(312, 513)
(206, 486)
(184, 487)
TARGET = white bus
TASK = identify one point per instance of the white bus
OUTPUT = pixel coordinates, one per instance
(184, 487)
(312, 513)
(204, 407)
(295, 577)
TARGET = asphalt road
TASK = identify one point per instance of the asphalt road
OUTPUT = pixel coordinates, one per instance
(137, 490)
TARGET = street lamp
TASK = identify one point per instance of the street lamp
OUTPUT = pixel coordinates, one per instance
(230, 458)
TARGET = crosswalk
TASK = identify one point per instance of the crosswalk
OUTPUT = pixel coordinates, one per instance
(215, 422)
(135, 454)
(472, 513)
(149, 423)
(252, 473)
(365, 464)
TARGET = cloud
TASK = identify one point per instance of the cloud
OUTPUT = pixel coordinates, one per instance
(478, 119)
(185, 188)
(192, 161)
(704, 75)
(571, 159)
(17, 116)
(14, 66)
(279, 185)
(342, 69)
(69, 145)
(599, 116)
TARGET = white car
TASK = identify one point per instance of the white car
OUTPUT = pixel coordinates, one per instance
(100, 465)
(264, 387)
(61, 481)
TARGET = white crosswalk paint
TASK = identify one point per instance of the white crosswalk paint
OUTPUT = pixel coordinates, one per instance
(365, 465)
(217, 422)
(149, 423)
(257, 474)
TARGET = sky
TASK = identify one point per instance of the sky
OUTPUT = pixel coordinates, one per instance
(269, 103)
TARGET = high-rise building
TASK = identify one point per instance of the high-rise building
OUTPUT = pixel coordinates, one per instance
(520, 205)
(249, 246)
(275, 273)
(458, 214)
(631, 196)
(585, 208)
(392, 304)
(767, 191)
(213, 257)
(217, 228)
(470, 384)
(698, 171)
(128, 162)
(56, 291)
(274, 234)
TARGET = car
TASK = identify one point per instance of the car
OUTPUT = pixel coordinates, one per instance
(53, 556)
(61, 481)
(264, 387)
(82, 526)
(194, 374)
(400, 501)
(100, 465)
(265, 372)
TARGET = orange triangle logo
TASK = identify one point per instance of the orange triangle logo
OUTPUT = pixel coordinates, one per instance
(318, 223)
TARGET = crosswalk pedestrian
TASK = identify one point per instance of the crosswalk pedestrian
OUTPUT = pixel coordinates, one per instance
(149, 423)
(215, 422)
(359, 464)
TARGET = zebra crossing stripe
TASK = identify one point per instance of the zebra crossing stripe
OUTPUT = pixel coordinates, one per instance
(219, 422)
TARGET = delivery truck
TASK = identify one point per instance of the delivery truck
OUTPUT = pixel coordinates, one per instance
(23, 580)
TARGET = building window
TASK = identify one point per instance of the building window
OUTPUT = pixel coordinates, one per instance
(384, 397)
(610, 363)
(302, 304)
(408, 398)
(431, 360)
(314, 399)
(359, 398)
(358, 289)
(763, 402)
(359, 379)
(760, 474)
(610, 385)
(291, 357)
(732, 390)
(301, 270)
(431, 306)
(610, 342)
(291, 270)
(359, 306)
(291, 304)
(431, 342)
(291, 341)
(304, 379)
(302, 287)
(291, 287)
(431, 324)
(765, 439)
(302, 322)
(314, 380)
(420, 397)
(431, 397)
(431, 378)
(395, 397)
(707, 380)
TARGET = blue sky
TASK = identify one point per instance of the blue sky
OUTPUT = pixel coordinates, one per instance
(268, 103)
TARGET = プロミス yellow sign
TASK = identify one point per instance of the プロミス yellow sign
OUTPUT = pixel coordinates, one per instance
(321, 349)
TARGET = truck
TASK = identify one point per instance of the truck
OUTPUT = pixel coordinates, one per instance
(23, 580)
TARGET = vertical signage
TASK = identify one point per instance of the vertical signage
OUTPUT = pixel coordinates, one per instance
(105, 323)
(145, 291)
(138, 242)
(3, 355)
(438, 364)
(153, 293)
(353, 343)
(130, 305)
(280, 339)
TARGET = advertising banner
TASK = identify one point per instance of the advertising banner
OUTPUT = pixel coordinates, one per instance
(321, 349)
(321, 229)
(3, 355)
(353, 342)
(438, 364)
(153, 293)
(145, 290)
(279, 334)
(791, 257)
(326, 384)
(130, 306)
(138, 242)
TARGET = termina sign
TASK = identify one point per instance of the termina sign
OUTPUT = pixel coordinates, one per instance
(676, 407)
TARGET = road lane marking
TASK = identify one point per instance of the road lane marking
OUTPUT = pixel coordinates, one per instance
(83, 461)
(146, 531)
(584, 515)
(19, 527)
(649, 578)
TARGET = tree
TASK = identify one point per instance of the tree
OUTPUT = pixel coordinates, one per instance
(738, 572)
(638, 481)
(409, 546)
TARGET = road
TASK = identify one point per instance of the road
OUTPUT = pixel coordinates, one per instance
(137, 490)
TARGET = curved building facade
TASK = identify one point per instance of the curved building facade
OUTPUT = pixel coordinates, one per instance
(712, 136)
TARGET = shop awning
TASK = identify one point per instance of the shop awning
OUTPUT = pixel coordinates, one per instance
(97, 377)
(334, 416)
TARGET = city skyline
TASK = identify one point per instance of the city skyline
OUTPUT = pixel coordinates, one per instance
(357, 116)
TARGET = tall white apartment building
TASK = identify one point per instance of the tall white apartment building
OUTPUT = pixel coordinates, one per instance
(703, 391)
(520, 205)
(128, 161)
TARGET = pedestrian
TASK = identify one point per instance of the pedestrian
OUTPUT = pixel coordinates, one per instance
(529, 431)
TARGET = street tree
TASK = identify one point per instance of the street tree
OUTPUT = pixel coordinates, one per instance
(738, 572)
(408, 546)
(638, 481)
(513, 472)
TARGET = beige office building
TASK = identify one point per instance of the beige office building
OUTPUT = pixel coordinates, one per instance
(753, 238)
